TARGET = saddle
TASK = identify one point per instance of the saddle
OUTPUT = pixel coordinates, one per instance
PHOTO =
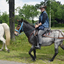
(47, 33)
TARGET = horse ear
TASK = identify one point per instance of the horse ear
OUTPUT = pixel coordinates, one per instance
(17, 20)
(21, 19)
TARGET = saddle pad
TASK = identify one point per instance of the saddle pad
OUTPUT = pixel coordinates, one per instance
(47, 33)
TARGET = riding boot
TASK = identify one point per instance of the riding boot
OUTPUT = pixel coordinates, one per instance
(38, 44)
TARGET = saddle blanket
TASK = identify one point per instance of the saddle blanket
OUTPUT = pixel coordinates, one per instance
(47, 33)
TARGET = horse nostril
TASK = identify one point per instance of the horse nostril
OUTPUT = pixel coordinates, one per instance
(16, 34)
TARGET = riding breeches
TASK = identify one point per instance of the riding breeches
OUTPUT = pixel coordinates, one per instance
(40, 33)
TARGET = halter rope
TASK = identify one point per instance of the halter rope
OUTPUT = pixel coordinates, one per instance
(20, 28)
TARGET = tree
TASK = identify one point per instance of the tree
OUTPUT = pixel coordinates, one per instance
(0, 18)
(11, 18)
(28, 11)
(5, 18)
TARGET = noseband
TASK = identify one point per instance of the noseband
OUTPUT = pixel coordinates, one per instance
(21, 28)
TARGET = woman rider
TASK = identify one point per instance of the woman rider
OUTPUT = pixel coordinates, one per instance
(42, 26)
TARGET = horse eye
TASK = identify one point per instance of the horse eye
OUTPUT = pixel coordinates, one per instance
(18, 26)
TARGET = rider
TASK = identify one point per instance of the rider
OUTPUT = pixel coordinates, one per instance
(43, 25)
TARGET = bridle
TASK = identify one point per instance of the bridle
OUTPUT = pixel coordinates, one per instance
(21, 28)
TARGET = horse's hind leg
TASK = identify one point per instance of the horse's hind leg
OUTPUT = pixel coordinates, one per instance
(56, 50)
(7, 48)
(2, 47)
(3, 40)
(4, 43)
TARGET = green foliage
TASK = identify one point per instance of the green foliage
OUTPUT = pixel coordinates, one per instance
(17, 17)
(56, 9)
(4, 18)
(58, 13)
(62, 8)
(7, 1)
(28, 12)
(59, 25)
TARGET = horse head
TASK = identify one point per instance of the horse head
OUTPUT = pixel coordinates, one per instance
(19, 27)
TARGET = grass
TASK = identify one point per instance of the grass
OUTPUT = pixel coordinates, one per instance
(19, 52)
(57, 28)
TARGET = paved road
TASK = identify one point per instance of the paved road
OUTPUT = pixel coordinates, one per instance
(10, 62)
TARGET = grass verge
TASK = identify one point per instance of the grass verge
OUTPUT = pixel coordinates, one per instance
(19, 52)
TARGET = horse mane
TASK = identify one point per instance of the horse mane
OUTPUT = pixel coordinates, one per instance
(28, 23)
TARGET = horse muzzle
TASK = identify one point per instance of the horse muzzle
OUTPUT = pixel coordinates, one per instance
(16, 34)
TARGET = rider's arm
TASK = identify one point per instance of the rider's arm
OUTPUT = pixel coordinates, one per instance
(39, 24)
(44, 18)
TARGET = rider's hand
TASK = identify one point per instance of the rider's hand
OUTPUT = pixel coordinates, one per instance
(36, 26)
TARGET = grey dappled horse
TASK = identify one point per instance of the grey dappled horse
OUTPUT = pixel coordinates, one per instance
(55, 37)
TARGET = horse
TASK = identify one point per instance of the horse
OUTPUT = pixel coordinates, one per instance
(55, 37)
(4, 31)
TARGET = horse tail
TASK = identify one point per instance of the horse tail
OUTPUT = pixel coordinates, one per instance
(7, 33)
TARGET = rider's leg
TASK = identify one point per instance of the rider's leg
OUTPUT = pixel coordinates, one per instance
(39, 42)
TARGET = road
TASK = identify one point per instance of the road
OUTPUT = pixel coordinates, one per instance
(10, 62)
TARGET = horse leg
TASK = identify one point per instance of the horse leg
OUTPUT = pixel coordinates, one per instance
(7, 48)
(2, 47)
(4, 41)
(34, 53)
(56, 50)
(32, 49)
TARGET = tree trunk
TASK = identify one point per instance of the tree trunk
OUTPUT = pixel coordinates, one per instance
(11, 18)
(50, 16)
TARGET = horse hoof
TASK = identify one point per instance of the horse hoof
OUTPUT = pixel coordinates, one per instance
(8, 51)
(50, 60)
(33, 59)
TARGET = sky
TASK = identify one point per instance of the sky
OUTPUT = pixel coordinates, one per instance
(4, 6)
